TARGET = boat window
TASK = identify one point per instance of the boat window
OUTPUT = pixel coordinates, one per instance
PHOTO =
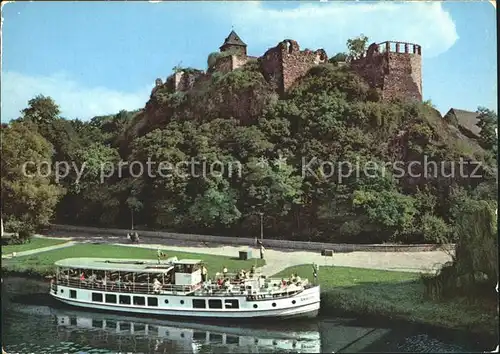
(215, 338)
(200, 336)
(110, 324)
(152, 301)
(231, 304)
(97, 323)
(215, 304)
(124, 299)
(73, 321)
(125, 326)
(186, 268)
(199, 304)
(72, 294)
(274, 304)
(139, 300)
(97, 297)
(139, 327)
(111, 298)
(232, 340)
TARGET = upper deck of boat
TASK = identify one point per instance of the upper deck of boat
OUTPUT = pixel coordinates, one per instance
(124, 265)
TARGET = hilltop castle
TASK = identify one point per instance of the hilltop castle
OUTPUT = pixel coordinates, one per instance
(396, 72)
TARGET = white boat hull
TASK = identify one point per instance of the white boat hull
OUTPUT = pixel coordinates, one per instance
(304, 304)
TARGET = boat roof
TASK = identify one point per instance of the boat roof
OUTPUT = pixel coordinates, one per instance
(124, 265)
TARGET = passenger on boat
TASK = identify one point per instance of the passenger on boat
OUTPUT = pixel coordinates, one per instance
(82, 276)
(283, 282)
(204, 272)
(224, 271)
(118, 283)
(298, 281)
(252, 271)
(156, 286)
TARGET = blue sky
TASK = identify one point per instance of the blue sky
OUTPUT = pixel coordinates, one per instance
(99, 57)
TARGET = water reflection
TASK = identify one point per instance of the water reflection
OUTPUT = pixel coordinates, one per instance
(78, 331)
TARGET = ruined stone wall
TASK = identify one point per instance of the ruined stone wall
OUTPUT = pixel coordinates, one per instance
(286, 63)
(183, 81)
(272, 67)
(237, 61)
(223, 64)
(297, 63)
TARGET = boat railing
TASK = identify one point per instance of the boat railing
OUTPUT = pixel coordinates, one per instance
(268, 290)
(125, 287)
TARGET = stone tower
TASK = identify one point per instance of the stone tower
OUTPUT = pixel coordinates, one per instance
(234, 43)
(395, 68)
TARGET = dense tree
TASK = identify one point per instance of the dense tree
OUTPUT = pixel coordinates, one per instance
(29, 194)
(488, 122)
(357, 46)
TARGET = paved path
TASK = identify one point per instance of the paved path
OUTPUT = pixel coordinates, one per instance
(277, 261)
(38, 250)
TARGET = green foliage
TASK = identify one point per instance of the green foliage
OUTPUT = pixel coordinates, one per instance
(357, 46)
(212, 59)
(28, 191)
(474, 270)
(41, 109)
(22, 230)
(488, 122)
(434, 229)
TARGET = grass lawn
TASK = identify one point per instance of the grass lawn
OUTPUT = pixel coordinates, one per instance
(397, 295)
(36, 242)
(43, 263)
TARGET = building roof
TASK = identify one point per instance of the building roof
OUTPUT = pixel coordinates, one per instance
(465, 119)
(233, 39)
(124, 265)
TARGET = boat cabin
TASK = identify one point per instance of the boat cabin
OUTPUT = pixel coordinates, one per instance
(129, 275)
(187, 272)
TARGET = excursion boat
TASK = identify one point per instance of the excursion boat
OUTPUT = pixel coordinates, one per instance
(175, 288)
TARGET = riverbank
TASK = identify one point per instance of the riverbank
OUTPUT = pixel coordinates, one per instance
(40, 265)
(395, 296)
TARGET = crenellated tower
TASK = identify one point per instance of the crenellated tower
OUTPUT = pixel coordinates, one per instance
(395, 68)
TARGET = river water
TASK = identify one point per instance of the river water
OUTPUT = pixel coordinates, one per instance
(32, 323)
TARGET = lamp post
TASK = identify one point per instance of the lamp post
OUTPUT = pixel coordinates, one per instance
(261, 226)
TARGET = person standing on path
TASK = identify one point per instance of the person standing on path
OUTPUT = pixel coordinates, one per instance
(262, 249)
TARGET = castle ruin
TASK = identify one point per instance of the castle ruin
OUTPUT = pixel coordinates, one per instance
(393, 68)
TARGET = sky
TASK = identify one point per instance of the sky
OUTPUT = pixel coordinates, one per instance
(96, 58)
